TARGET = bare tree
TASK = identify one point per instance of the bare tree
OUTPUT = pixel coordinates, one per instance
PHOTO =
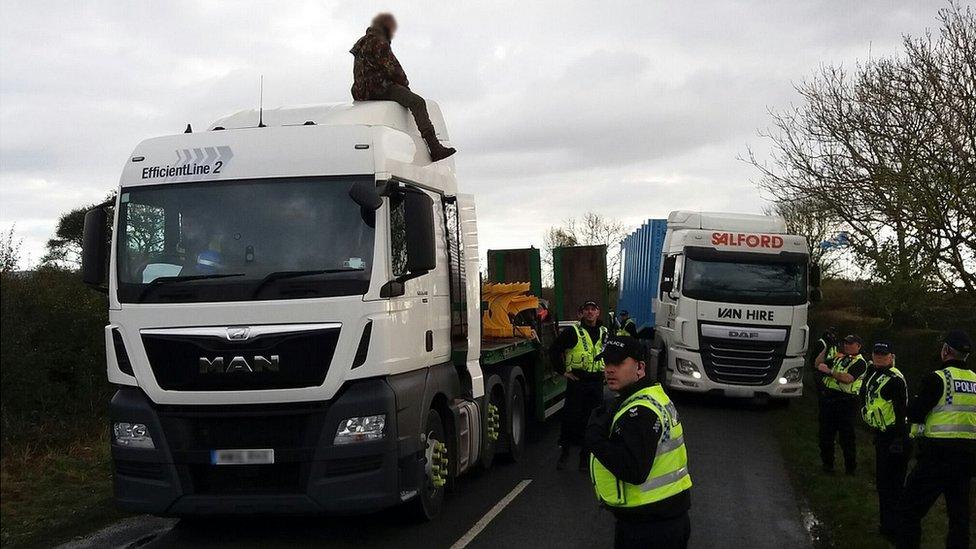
(807, 218)
(10, 250)
(888, 151)
(588, 230)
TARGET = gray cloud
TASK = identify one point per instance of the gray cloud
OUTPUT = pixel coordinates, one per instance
(624, 108)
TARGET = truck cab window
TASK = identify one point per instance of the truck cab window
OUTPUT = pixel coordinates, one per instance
(398, 236)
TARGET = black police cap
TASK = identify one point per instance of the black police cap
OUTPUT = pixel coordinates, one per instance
(618, 348)
(959, 340)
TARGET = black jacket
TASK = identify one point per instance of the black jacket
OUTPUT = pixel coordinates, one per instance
(930, 393)
(628, 452)
(565, 341)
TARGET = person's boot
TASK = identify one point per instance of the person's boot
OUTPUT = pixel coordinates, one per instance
(563, 458)
(437, 151)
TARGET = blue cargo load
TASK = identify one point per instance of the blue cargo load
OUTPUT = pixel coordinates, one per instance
(640, 266)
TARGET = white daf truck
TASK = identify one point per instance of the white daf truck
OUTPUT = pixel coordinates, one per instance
(295, 320)
(731, 307)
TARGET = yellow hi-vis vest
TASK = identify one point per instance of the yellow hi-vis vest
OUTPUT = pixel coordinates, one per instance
(582, 356)
(669, 473)
(622, 331)
(955, 415)
(831, 349)
(878, 412)
(843, 363)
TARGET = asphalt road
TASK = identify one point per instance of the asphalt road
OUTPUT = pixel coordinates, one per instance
(741, 498)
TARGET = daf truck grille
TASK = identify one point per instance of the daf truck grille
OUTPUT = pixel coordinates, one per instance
(287, 360)
(736, 362)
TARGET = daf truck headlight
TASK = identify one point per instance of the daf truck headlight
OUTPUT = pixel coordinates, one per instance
(792, 375)
(687, 368)
(360, 429)
(132, 435)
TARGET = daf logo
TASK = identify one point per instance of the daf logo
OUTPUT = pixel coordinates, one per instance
(238, 333)
(743, 335)
(258, 363)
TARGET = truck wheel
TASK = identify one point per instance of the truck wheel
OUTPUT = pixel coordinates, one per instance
(491, 420)
(427, 504)
(516, 421)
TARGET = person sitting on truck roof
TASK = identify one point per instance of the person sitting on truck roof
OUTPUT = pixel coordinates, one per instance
(640, 465)
(377, 75)
(573, 355)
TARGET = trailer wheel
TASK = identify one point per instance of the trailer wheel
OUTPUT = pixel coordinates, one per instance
(495, 406)
(516, 428)
(434, 464)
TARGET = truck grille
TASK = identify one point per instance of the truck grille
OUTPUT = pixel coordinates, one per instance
(275, 361)
(293, 431)
(742, 362)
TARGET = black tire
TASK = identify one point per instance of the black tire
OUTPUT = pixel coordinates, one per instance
(494, 395)
(429, 501)
(516, 426)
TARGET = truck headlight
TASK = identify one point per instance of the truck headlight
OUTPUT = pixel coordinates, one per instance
(792, 375)
(132, 435)
(687, 368)
(360, 429)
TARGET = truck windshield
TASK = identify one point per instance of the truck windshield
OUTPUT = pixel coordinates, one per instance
(242, 240)
(742, 281)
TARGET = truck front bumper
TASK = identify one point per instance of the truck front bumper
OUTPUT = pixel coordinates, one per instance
(310, 475)
(699, 381)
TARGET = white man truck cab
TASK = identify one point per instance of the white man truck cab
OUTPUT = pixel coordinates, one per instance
(731, 309)
(291, 328)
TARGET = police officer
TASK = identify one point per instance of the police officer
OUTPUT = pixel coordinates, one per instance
(574, 353)
(823, 350)
(944, 414)
(839, 403)
(628, 327)
(639, 464)
(885, 398)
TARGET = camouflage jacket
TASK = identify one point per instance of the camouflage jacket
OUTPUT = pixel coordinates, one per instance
(375, 67)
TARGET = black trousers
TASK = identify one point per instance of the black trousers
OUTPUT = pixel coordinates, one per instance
(582, 397)
(658, 534)
(837, 416)
(935, 474)
(889, 477)
(416, 105)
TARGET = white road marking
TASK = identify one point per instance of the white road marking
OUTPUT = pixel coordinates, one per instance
(491, 514)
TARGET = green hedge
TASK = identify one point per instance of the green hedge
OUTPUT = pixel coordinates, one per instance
(52, 356)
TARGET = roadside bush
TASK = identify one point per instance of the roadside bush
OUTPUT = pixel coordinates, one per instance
(52, 356)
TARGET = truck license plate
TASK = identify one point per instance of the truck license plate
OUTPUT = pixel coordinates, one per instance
(242, 457)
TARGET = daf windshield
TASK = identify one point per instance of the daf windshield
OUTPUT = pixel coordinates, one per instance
(243, 240)
(746, 278)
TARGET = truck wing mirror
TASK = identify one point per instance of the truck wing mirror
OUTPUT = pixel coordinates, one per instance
(364, 193)
(419, 217)
(94, 249)
(816, 294)
(815, 275)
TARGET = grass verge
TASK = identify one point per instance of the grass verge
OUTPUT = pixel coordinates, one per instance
(52, 494)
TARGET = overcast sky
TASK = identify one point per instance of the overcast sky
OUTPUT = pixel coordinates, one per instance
(628, 109)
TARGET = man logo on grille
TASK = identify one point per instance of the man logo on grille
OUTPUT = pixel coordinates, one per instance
(217, 365)
(238, 333)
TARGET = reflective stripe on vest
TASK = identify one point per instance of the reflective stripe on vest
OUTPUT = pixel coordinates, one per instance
(623, 329)
(669, 472)
(842, 366)
(581, 357)
(877, 411)
(955, 416)
(831, 349)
